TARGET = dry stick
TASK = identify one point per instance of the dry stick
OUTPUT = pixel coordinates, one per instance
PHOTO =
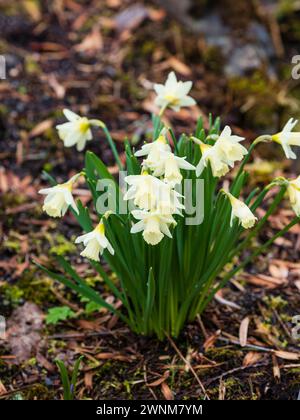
(248, 346)
(92, 334)
(188, 364)
(241, 368)
(23, 388)
(146, 382)
(204, 332)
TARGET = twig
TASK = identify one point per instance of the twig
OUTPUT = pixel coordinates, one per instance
(189, 365)
(146, 382)
(204, 332)
(23, 388)
(248, 346)
(84, 335)
(238, 369)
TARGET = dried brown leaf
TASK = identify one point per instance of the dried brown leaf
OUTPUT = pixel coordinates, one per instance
(287, 355)
(251, 358)
(243, 332)
(92, 43)
(276, 369)
(160, 380)
(210, 341)
(88, 380)
(41, 128)
(165, 389)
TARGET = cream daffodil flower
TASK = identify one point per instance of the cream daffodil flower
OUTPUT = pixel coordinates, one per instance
(154, 150)
(170, 201)
(211, 155)
(169, 166)
(95, 243)
(287, 139)
(294, 194)
(173, 93)
(76, 131)
(143, 190)
(229, 147)
(153, 224)
(59, 198)
(149, 192)
(241, 211)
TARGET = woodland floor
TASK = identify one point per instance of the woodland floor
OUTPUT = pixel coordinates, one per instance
(91, 57)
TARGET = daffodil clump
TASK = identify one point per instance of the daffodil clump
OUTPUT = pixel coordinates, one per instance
(184, 224)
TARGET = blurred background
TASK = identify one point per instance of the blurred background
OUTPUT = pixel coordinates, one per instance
(100, 59)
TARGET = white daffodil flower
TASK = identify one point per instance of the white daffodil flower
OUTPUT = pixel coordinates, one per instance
(76, 131)
(149, 192)
(169, 166)
(95, 242)
(143, 190)
(59, 198)
(153, 224)
(173, 93)
(294, 194)
(241, 211)
(170, 201)
(211, 155)
(154, 150)
(287, 139)
(229, 147)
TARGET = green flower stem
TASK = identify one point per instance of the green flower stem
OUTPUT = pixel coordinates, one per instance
(161, 112)
(260, 139)
(261, 249)
(99, 123)
(113, 147)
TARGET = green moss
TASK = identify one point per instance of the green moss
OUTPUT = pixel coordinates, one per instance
(12, 245)
(234, 387)
(3, 109)
(12, 293)
(48, 167)
(262, 96)
(286, 8)
(29, 287)
(148, 47)
(11, 199)
(36, 289)
(38, 392)
(275, 302)
(62, 246)
(223, 353)
(31, 66)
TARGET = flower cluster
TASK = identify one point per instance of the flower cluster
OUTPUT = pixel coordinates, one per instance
(158, 290)
(154, 193)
